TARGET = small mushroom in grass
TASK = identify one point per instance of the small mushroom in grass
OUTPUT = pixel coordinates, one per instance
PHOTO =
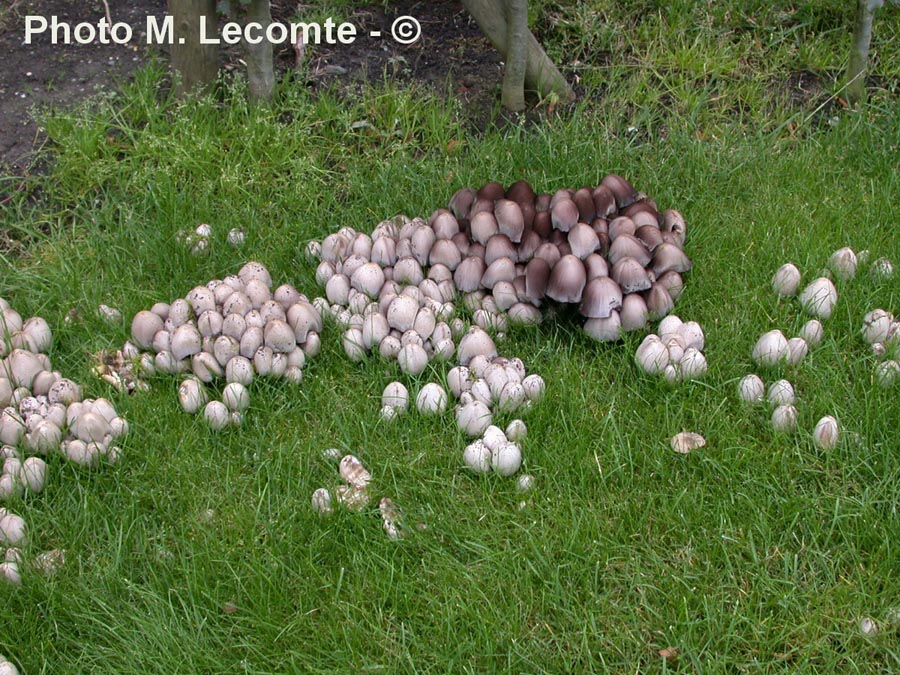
(826, 433)
(812, 331)
(876, 326)
(843, 263)
(354, 473)
(786, 281)
(431, 399)
(652, 356)
(686, 442)
(751, 389)
(608, 329)
(192, 395)
(477, 457)
(534, 386)
(473, 418)
(12, 529)
(507, 459)
(781, 393)
(692, 365)
(412, 358)
(143, 327)
(516, 431)
(321, 502)
(395, 395)
(235, 397)
(797, 349)
(819, 298)
(216, 415)
(887, 373)
(881, 269)
(771, 349)
(567, 280)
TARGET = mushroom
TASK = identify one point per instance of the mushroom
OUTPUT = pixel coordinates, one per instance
(608, 329)
(819, 298)
(477, 457)
(476, 341)
(192, 395)
(784, 418)
(797, 349)
(652, 356)
(216, 415)
(751, 389)
(431, 399)
(843, 263)
(686, 442)
(38, 334)
(827, 433)
(567, 280)
(630, 275)
(395, 395)
(786, 281)
(600, 298)
(143, 327)
(412, 359)
(781, 392)
(473, 418)
(771, 349)
(812, 331)
(876, 326)
(507, 459)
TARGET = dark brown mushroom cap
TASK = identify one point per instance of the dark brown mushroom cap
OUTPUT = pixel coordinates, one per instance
(583, 240)
(600, 225)
(650, 235)
(528, 214)
(630, 275)
(585, 203)
(620, 225)
(483, 226)
(542, 202)
(444, 224)
(521, 192)
(467, 275)
(634, 312)
(499, 246)
(600, 298)
(673, 283)
(461, 202)
(549, 253)
(659, 302)
(605, 243)
(537, 276)
(491, 190)
(595, 265)
(510, 220)
(623, 190)
(445, 252)
(480, 204)
(543, 225)
(567, 280)
(669, 258)
(528, 246)
(564, 215)
(628, 246)
(604, 201)
(502, 269)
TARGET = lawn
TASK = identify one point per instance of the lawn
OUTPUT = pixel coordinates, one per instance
(199, 552)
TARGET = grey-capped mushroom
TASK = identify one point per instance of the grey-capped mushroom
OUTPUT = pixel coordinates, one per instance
(601, 297)
(22, 366)
(887, 373)
(279, 337)
(567, 280)
(797, 349)
(38, 334)
(186, 341)
(781, 392)
(368, 279)
(143, 327)
(216, 415)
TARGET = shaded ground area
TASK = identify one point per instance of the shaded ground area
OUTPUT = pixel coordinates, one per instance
(452, 56)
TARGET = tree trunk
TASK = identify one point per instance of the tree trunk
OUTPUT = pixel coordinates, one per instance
(197, 65)
(513, 95)
(540, 73)
(260, 72)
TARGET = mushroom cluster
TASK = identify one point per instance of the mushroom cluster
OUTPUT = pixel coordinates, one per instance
(42, 412)
(676, 353)
(882, 331)
(236, 328)
(507, 252)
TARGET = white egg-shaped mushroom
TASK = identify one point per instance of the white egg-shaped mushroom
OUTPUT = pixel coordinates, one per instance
(22, 366)
(516, 431)
(770, 349)
(534, 387)
(507, 459)
(784, 418)
(368, 279)
(692, 365)
(239, 370)
(781, 392)
(475, 342)
(511, 397)
(321, 501)
(477, 457)
(819, 298)
(279, 337)
(797, 349)
(494, 437)
(843, 263)
(38, 334)
(401, 313)
(826, 433)
(813, 332)
(876, 326)
(751, 389)
(395, 395)
(459, 380)
(34, 474)
(887, 373)
(431, 399)
(44, 438)
(144, 326)
(786, 281)
(473, 418)
(412, 358)
(235, 397)
(652, 355)
(186, 341)
(13, 531)
(192, 395)
(354, 345)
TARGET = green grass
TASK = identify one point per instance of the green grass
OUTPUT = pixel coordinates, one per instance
(200, 553)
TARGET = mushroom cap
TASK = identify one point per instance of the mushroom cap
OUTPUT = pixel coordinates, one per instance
(827, 433)
(668, 257)
(628, 246)
(621, 225)
(368, 278)
(600, 298)
(499, 246)
(564, 214)
(412, 358)
(843, 263)
(144, 326)
(476, 341)
(819, 298)
(583, 240)
(634, 313)
(786, 281)
(630, 275)
(659, 302)
(255, 270)
(673, 283)
(584, 200)
(401, 313)
(770, 349)
(467, 276)
(473, 418)
(608, 329)
(604, 201)
(431, 399)
(567, 280)
(395, 395)
(279, 337)
(510, 219)
(622, 190)
(502, 269)
(186, 341)
(461, 202)
(483, 226)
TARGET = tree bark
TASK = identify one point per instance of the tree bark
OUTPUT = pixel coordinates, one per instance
(260, 72)
(197, 65)
(513, 93)
(540, 73)
(859, 52)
